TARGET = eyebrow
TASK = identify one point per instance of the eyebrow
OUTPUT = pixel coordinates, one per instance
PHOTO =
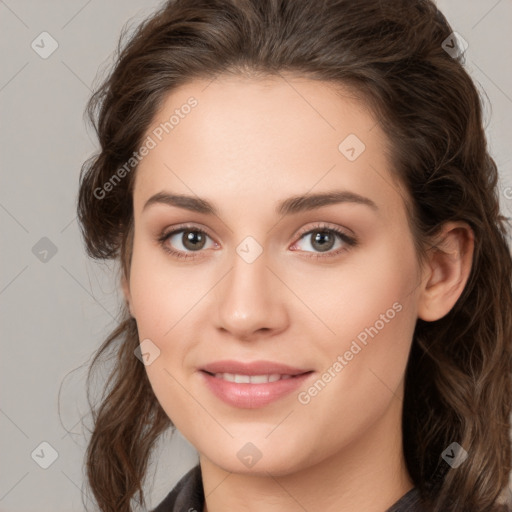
(294, 204)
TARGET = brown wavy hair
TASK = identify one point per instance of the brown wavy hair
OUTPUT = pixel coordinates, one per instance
(458, 383)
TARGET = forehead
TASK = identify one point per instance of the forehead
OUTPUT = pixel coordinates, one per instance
(246, 136)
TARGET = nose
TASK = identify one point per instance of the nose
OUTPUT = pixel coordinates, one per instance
(251, 300)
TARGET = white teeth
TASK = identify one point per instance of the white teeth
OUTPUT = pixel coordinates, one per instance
(251, 379)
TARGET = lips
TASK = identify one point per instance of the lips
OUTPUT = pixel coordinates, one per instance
(253, 384)
(250, 395)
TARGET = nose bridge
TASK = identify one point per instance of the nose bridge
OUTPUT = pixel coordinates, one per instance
(249, 299)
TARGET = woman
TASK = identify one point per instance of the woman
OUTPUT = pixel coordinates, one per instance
(316, 273)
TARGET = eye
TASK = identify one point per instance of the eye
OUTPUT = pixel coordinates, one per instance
(185, 239)
(322, 239)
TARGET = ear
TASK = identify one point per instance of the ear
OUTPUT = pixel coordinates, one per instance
(446, 271)
(126, 291)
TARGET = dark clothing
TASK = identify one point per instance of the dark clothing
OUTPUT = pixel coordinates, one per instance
(188, 496)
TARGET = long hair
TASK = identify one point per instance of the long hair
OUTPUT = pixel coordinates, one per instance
(393, 55)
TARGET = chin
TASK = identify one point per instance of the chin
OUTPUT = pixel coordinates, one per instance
(248, 459)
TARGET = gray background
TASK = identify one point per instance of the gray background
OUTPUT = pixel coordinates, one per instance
(54, 313)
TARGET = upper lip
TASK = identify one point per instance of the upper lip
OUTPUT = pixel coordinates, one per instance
(252, 368)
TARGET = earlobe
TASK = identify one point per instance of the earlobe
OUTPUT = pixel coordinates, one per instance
(446, 271)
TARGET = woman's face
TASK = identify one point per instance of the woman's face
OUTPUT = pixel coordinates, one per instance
(258, 283)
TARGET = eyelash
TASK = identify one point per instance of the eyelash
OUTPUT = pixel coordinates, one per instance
(346, 239)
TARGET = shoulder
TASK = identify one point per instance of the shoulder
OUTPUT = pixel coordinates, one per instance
(186, 496)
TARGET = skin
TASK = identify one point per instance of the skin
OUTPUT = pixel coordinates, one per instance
(249, 144)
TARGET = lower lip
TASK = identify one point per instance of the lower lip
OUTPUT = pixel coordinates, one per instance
(252, 396)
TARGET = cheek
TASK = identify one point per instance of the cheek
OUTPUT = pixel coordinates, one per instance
(372, 309)
(162, 294)
(162, 297)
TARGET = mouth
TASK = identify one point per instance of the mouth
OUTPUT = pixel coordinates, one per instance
(244, 391)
